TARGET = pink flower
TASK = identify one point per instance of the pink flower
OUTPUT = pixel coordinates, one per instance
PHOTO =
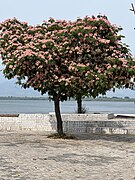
(105, 41)
(81, 65)
(43, 46)
(108, 66)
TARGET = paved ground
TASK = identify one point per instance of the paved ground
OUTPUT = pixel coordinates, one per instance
(30, 156)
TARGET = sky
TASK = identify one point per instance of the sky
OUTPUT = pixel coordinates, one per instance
(34, 12)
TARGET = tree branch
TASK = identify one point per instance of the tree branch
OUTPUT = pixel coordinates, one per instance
(133, 8)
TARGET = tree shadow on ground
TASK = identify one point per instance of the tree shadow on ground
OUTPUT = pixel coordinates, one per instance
(108, 137)
(85, 159)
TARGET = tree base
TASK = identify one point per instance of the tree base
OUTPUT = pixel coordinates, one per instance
(61, 136)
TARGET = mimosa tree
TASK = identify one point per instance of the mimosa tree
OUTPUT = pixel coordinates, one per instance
(65, 59)
(98, 59)
(34, 55)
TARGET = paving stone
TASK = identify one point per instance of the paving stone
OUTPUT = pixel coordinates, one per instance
(29, 156)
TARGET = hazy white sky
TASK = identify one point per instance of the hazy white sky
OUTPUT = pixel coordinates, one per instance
(35, 11)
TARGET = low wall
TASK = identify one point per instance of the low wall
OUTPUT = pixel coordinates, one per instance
(33, 122)
(72, 123)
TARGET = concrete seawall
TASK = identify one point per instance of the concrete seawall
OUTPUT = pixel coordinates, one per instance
(72, 123)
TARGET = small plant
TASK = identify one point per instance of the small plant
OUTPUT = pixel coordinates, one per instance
(84, 110)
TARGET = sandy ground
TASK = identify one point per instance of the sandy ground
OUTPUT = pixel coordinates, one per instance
(32, 156)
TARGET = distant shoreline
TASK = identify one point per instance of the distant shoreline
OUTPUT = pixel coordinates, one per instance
(117, 99)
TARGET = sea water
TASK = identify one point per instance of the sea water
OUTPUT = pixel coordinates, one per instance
(44, 106)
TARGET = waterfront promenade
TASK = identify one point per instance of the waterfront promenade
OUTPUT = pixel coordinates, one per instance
(33, 156)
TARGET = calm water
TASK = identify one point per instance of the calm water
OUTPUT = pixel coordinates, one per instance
(43, 106)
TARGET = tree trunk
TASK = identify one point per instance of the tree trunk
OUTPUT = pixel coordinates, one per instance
(79, 104)
(58, 115)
